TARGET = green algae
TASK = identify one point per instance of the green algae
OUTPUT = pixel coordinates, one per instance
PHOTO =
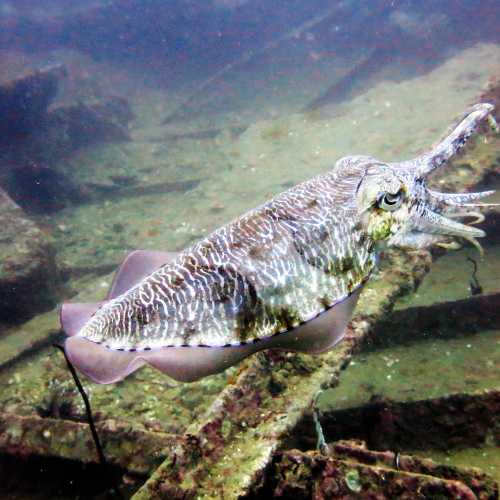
(353, 481)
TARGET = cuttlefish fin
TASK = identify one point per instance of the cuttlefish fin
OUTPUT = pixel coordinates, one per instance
(186, 364)
(100, 364)
(321, 333)
(74, 315)
(136, 266)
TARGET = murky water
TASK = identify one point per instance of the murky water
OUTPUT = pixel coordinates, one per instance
(164, 122)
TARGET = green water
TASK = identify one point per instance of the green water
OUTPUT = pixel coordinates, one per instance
(235, 173)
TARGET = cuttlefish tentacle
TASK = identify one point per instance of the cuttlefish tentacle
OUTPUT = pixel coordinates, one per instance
(453, 204)
(286, 275)
(433, 222)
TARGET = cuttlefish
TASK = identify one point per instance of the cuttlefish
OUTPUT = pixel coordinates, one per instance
(286, 275)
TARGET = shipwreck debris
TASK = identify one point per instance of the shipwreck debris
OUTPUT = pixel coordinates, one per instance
(35, 134)
(454, 420)
(450, 319)
(350, 470)
(28, 112)
(186, 108)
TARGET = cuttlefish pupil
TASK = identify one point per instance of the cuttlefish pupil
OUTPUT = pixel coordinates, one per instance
(285, 275)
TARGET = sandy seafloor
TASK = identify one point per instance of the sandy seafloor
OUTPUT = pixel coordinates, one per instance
(281, 147)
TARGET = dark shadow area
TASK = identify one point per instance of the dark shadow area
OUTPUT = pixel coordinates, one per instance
(39, 189)
(38, 477)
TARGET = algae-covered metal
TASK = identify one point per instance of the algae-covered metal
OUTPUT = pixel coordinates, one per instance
(285, 275)
(352, 471)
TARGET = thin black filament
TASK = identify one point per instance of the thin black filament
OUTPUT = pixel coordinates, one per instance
(90, 417)
(88, 409)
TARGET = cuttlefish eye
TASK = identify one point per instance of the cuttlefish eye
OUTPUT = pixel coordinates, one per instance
(390, 201)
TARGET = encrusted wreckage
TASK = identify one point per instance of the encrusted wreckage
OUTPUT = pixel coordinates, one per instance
(350, 470)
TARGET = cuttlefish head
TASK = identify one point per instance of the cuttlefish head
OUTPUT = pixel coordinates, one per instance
(397, 208)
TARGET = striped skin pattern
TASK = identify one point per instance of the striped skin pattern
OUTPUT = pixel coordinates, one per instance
(270, 270)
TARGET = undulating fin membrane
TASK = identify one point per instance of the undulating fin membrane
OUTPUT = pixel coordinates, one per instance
(74, 315)
(186, 364)
(136, 266)
(321, 333)
(98, 363)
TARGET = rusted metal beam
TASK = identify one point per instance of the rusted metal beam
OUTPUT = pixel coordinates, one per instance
(450, 319)
(135, 450)
(352, 471)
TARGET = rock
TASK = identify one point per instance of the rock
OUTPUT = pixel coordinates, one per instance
(33, 136)
(78, 125)
(43, 132)
(24, 102)
(39, 189)
(28, 274)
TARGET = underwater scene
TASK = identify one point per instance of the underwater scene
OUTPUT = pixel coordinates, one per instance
(249, 249)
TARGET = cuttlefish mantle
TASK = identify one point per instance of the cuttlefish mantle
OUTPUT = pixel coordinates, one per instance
(286, 275)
